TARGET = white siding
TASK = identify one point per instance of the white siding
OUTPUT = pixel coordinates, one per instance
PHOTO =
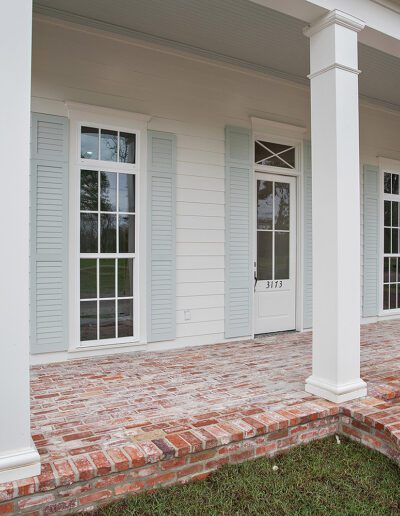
(195, 99)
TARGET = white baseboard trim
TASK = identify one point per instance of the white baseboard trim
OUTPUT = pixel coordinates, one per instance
(19, 464)
(336, 393)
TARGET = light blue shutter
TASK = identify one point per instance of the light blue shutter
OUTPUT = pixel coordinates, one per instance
(161, 236)
(307, 281)
(238, 252)
(48, 238)
(371, 241)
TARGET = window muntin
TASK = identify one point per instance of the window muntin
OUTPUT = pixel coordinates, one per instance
(107, 253)
(274, 154)
(107, 145)
(391, 241)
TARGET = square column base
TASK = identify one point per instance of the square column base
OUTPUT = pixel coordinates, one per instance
(23, 463)
(336, 393)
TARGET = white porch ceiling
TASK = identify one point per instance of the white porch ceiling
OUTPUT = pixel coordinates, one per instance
(237, 31)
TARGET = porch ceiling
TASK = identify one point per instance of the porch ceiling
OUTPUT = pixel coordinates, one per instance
(236, 31)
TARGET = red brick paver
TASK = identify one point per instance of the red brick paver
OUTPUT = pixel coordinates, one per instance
(140, 420)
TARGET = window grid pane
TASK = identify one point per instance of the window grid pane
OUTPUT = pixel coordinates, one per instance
(107, 209)
(391, 242)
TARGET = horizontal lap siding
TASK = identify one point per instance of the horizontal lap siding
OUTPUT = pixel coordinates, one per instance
(200, 226)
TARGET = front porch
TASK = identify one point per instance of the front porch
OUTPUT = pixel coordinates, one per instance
(107, 426)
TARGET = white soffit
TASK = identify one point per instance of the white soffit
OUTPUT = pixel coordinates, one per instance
(239, 32)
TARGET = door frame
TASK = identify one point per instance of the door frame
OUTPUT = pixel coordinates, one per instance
(292, 180)
(297, 173)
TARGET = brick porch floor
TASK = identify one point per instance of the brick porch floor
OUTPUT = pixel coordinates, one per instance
(129, 422)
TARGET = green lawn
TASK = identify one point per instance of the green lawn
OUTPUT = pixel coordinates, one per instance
(319, 478)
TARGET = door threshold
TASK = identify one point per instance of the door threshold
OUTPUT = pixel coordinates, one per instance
(273, 333)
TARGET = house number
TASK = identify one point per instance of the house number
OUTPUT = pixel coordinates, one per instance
(273, 284)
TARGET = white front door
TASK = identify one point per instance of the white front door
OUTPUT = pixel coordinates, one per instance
(275, 254)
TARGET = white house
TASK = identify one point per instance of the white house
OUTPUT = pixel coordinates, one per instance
(188, 172)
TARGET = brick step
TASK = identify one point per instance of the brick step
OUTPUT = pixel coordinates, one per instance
(90, 479)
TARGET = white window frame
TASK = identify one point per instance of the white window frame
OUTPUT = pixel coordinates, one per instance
(393, 167)
(105, 118)
(286, 134)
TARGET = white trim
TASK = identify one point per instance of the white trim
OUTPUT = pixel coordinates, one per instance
(166, 345)
(334, 17)
(271, 127)
(81, 114)
(334, 66)
(278, 132)
(20, 464)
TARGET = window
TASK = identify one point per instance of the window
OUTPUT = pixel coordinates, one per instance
(273, 230)
(391, 245)
(274, 154)
(107, 235)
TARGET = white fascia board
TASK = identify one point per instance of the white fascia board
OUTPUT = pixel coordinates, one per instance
(381, 17)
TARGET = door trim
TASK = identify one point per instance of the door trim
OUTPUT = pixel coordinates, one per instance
(298, 174)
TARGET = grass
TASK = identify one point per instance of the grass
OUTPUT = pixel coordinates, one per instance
(320, 478)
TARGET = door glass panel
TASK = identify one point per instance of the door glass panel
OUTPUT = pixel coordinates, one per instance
(125, 277)
(89, 230)
(88, 279)
(264, 204)
(107, 277)
(108, 145)
(127, 193)
(388, 213)
(108, 191)
(88, 320)
(125, 317)
(264, 255)
(89, 143)
(127, 147)
(108, 233)
(282, 196)
(89, 190)
(127, 233)
(281, 255)
(395, 214)
(395, 184)
(107, 319)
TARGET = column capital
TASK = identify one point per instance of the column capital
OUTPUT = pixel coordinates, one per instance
(334, 17)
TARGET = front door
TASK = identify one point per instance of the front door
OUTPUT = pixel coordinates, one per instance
(275, 254)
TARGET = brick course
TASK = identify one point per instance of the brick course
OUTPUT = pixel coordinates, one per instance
(115, 433)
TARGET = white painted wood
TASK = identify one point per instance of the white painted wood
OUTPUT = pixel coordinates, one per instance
(335, 209)
(18, 455)
(275, 300)
(200, 275)
(189, 289)
(200, 262)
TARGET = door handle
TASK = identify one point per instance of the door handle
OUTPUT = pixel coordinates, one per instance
(255, 281)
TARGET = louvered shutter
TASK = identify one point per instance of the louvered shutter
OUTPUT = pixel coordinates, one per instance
(238, 252)
(161, 236)
(48, 237)
(371, 241)
(307, 281)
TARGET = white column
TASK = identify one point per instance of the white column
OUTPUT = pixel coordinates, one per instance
(18, 455)
(335, 208)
